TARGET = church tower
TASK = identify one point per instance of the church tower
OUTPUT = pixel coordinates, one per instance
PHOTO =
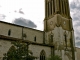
(59, 29)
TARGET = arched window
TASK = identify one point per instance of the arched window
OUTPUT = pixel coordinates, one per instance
(35, 38)
(51, 38)
(42, 55)
(65, 37)
(9, 32)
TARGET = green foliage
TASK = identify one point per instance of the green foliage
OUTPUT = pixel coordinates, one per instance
(54, 58)
(18, 51)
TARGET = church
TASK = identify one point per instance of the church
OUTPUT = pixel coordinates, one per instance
(56, 39)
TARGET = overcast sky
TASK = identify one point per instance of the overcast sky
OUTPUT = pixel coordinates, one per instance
(33, 12)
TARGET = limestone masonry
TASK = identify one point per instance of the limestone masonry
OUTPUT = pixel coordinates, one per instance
(56, 39)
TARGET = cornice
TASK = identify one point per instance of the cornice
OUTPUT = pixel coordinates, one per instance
(7, 38)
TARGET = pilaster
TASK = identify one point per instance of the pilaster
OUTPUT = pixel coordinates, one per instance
(68, 10)
(61, 6)
(57, 6)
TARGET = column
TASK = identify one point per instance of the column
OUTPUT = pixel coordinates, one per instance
(45, 8)
(61, 6)
(63, 55)
(68, 9)
(64, 7)
(53, 6)
(49, 8)
(52, 51)
(56, 6)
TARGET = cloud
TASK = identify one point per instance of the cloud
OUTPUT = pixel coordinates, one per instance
(77, 38)
(2, 16)
(20, 11)
(75, 4)
(75, 13)
(77, 44)
(24, 22)
(15, 11)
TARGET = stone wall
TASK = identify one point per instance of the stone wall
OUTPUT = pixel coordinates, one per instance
(33, 35)
(4, 47)
(36, 49)
(78, 53)
(22, 33)
(16, 31)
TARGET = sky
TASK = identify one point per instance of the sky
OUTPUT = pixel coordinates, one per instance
(29, 9)
(32, 12)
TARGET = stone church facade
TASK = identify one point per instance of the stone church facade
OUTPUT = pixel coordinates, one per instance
(56, 39)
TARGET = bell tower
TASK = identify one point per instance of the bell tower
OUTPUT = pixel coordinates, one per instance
(54, 7)
(58, 28)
